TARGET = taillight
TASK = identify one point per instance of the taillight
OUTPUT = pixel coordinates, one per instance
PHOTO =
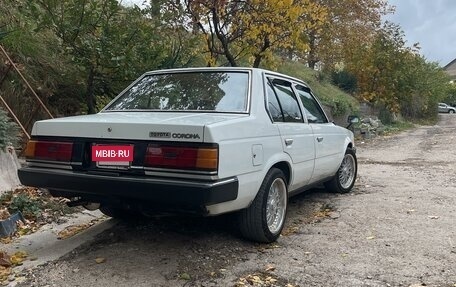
(49, 150)
(178, 157)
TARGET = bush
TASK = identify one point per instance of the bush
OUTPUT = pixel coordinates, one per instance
(344, 80)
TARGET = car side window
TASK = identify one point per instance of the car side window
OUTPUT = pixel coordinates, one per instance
(273, 104)
(312, 109)
(287, 100)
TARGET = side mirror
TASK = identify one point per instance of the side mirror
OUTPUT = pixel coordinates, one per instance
(353, 119)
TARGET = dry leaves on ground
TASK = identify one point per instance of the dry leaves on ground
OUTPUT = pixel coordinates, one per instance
(264, 278)
(7, 263)
(72, 230)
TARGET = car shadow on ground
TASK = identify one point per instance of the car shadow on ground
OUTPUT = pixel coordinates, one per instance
(302, 208)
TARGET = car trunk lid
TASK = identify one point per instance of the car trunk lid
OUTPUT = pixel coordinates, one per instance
(157, 126)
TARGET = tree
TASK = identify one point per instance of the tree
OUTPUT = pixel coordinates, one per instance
(35, 55)
(349, 23)
(395, 78)
(252, 30)
(104, 39)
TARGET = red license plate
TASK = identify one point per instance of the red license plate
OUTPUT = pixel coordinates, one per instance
(119, 155)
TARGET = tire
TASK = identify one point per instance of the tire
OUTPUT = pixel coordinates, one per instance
(451, 111)
(264, 219)
(345, 177)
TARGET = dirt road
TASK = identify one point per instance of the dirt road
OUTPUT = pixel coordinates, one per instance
(396, 229)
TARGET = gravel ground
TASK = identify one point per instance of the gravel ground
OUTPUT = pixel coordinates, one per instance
(397, 228)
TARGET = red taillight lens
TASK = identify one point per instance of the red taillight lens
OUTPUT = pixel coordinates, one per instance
(196, 158)
(48, 150)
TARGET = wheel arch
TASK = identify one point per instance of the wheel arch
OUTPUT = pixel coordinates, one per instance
(285, 167)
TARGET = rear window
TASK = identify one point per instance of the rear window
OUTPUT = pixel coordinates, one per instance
(190, 91)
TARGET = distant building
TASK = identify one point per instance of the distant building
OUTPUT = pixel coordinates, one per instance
(450, 69)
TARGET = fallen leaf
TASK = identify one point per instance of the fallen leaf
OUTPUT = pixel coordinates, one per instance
(4, 214)
(6, 240)
(290, 230)
(5, 259)
(370, 237)
(270, 268)
(72, 230)
(5, 272)
(100, 260)
(18, 257)
(434, 217)
(185, 276)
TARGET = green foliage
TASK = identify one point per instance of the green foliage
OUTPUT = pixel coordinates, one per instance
(450, 98)
(340, 102)
(78, 54)
(9, 131)
(396, 78)
(397, 127)
(344, 80)
(27, 206)
(33, 204)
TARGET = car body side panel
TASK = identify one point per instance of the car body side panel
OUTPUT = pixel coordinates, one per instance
(330, 148)
(298, 142)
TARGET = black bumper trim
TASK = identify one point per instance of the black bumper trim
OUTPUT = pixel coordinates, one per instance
(157, 190)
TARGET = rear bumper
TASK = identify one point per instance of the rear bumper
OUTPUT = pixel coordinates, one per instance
(174, 192)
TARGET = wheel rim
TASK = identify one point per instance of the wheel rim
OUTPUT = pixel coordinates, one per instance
(276, 205)
(347, 171)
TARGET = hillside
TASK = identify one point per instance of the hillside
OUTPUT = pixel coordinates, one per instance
(337, 102)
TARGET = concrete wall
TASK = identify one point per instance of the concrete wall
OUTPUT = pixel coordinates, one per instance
(9, 164)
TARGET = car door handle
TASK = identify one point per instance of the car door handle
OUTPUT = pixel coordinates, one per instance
(319, 139)
(288, 142)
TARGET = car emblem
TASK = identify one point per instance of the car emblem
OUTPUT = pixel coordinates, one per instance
(159, 134)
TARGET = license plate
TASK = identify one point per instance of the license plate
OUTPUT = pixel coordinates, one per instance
(112, 155)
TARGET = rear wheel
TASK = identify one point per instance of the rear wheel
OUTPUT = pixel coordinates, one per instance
(345, 177)
(451, 111)
(264, 219)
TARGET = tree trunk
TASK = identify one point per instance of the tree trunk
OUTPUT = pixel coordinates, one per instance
(311, 57)
(259, 55)
(223, 39)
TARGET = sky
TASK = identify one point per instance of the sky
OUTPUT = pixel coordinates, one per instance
(431, 23)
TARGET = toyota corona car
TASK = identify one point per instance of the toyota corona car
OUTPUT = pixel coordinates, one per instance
(199, 140)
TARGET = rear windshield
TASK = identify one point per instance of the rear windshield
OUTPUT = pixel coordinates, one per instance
(190, 91)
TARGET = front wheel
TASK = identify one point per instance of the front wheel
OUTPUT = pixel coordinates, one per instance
(264, 219)
(344, 180)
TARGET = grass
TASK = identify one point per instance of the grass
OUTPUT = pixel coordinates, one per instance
(397, 127)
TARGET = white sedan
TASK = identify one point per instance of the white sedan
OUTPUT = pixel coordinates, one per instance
(198, 140)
